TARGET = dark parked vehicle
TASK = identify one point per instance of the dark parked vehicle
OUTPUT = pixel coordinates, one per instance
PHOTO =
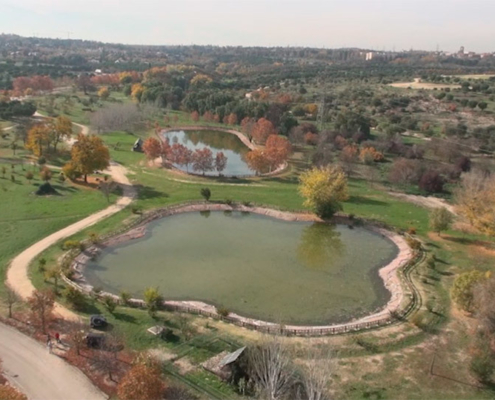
(98, 321)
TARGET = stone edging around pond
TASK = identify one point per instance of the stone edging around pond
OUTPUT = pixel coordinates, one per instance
(390, 274)
(242, 138)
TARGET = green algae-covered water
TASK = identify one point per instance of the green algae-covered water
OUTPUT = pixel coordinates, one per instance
(217, 141)
(256, 266)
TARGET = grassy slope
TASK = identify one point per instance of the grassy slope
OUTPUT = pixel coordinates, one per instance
(159, 187)
(27, 218)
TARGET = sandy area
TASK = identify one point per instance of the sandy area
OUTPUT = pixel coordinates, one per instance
(423, 85)
(425, 201)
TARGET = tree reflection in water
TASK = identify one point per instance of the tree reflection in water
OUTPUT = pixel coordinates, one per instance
(320, 246)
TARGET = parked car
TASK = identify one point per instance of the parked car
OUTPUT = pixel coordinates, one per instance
(98, 321)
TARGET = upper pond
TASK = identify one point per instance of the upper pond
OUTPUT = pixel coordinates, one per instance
(256, 266)
(216, 141)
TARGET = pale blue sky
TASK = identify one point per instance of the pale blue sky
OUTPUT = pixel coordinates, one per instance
(378, 24)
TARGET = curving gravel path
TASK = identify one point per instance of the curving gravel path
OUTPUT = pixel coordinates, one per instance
(40, 375)
(17, 274)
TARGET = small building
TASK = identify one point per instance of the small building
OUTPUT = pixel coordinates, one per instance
(228, 366)
(138, 145)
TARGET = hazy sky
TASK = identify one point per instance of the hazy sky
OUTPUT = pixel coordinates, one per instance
(377, 24)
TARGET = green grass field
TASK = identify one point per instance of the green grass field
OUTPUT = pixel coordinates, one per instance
(402, 355)
(27, 218)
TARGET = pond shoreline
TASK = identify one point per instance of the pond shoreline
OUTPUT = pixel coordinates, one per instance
(250, 145)
(388, 273)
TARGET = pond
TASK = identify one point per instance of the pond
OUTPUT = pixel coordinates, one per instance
(254, 265)
(217, 141)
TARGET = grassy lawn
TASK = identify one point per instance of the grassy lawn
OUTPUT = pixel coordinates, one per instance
(28, 218)
(379, 365)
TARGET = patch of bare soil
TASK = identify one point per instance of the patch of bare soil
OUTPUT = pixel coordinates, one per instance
(185, 366)
(424, 201)
(162, 355)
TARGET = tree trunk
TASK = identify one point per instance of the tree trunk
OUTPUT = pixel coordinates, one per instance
(85, 178)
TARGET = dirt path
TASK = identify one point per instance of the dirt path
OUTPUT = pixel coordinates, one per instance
(18, 272)
(425, 201)
(40, 375)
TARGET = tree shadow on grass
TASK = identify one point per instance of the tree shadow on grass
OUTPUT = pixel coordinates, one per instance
(125, 317)
(147, 192)
(62, 188)
(366, 201)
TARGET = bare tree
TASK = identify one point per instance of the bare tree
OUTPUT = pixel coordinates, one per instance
(107, 187)
(41, 303)
(11, 300)
(116, 117)
(484, 298)
(271, 368)
(77, 337)
(104, 363)
(316, 372)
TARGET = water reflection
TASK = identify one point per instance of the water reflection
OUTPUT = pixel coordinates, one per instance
(230, 145)
(205, 213)
(320, 246)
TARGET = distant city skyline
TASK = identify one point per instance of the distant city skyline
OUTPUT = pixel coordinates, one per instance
(370, 24)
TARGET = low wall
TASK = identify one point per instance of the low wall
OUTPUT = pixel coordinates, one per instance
(395, 275)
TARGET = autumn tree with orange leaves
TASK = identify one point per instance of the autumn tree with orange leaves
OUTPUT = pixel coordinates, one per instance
(262, 129)
(277, 149)
(88, 154)
(141, 382)
(152, 148)
(232, 119)
(38, 139)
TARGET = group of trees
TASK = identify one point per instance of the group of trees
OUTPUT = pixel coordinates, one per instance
(46, 136)
(202, 160)
(29, 84)
(14, 108)
(276, 151)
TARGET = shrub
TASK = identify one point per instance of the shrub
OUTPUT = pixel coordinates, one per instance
(75, 298)
(71, 172)
(431, 181)
(482, 366)
(45, 190)
(29, 176)
(222, 311)
(430, 262)
(246, 203)
(125, 296)
(413, 243)
(73, 244)
(109, 303)
(41, 264)
(94, 237)
(411, 230)
(153, 300)
(206, 193)
(136, 210)
(229, 202)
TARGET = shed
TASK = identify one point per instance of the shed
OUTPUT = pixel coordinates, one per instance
(138, 145)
